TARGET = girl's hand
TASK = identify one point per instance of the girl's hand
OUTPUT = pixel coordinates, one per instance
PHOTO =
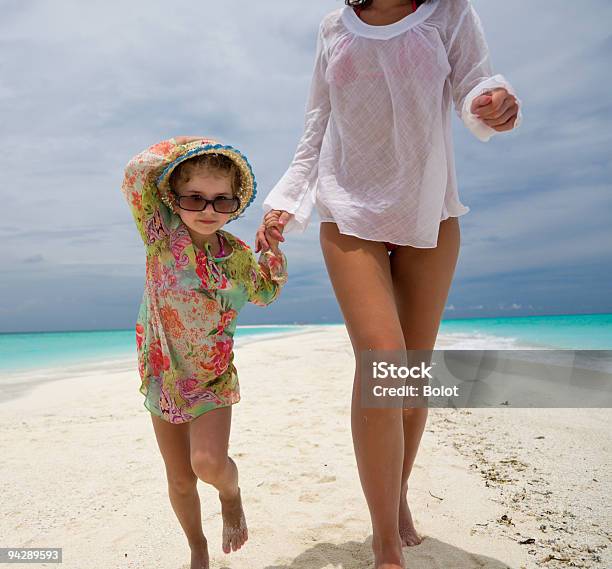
(271, 229)
(273, 243)
(498, 109)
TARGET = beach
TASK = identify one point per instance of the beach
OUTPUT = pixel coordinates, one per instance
(491, 488)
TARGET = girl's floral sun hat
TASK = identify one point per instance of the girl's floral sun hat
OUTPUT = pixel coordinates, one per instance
(248, 184)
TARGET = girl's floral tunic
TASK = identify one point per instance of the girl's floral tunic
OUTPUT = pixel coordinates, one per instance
(187, 318)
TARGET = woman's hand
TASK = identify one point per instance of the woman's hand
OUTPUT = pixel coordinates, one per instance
(187, 139)
(270, 231)
(498, 109)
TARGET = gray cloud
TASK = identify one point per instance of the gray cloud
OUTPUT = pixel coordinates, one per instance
(87, 85)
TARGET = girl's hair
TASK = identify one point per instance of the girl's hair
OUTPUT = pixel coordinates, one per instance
(215, 164)
(366, 3)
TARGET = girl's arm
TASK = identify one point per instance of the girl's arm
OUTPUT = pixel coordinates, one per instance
(269, 275)
(294, 192)
(141, 192)
(471, 71)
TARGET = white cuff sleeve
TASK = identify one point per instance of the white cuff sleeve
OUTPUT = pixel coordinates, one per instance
(302, 211)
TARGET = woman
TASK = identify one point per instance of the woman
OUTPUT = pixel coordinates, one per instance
(376, 159)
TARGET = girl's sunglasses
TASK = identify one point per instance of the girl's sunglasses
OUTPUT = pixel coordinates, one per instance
(198, 203)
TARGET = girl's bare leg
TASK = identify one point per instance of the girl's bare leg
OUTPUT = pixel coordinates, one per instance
(360, 274)
(421, 280)
(173, 441)
(209, 440)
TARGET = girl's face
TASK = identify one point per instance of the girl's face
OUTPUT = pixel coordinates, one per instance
(203, 184)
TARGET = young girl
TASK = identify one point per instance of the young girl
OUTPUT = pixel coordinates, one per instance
(198, 276)
(376, 159)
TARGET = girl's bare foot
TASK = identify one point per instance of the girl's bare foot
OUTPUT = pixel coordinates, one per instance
(199, 556)
(235, 531)
(407, 531)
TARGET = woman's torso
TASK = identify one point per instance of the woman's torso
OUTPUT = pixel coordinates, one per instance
(384, 163)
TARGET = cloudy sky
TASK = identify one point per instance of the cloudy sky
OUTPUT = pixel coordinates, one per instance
(86, 85)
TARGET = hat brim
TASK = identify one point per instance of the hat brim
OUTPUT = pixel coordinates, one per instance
(248, 186)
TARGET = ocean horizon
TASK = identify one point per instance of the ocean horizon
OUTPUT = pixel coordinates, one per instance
(22, 351)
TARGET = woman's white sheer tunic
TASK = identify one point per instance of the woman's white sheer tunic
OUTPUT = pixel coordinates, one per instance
(376, 156)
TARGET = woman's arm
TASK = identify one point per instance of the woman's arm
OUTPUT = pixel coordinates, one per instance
(294, 193)
(472, 79)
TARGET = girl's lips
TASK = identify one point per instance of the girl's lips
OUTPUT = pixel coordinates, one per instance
(208, 222)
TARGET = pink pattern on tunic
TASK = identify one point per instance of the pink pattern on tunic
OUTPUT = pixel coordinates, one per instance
(180, 239)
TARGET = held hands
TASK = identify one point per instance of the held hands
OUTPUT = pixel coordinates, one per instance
(270, 232)
(498, 109)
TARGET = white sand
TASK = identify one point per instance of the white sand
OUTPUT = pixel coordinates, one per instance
(81, 470)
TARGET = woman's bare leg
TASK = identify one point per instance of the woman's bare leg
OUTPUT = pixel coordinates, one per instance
(360, 274)
(209, 437)
(173, 441)
(422, 280)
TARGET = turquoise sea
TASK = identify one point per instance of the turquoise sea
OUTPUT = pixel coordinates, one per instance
(566, 331)
(24, 351)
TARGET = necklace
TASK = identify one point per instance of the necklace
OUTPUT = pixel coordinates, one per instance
(221, 246)
(208, 247)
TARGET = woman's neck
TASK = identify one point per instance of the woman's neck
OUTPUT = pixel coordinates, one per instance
(385, 12)
(385, 5)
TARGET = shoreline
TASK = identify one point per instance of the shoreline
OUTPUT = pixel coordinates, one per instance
(15, 384)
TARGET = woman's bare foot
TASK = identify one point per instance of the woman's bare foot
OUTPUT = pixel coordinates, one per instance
(407, 531)
(388, 556)
(199, 556)
(235, 531)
